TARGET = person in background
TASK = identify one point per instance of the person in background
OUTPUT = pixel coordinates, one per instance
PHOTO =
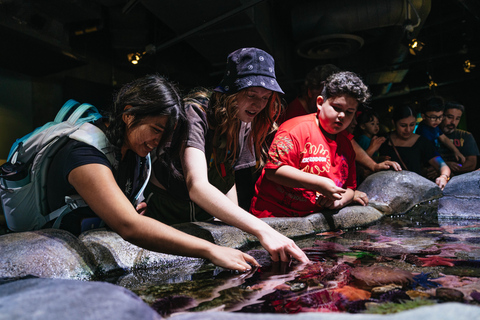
(228, 129)
(310, 165)
(145, 113)
(411, 150)
(432, 115)
(365, 165)
(463, 140)
(307, 102)
(368, 124)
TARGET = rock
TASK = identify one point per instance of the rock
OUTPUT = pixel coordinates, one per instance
(110, 250)
(48, 253)
(45, 299)
(356, 216)
(449, 294)
(117, 256)
(460, 196)
(401, 190)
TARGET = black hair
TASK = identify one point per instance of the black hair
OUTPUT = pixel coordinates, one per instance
(367, 116)
(346, 83)
(454, 105)
(434, 103)
(150, 96)
(402, 112)
(315, 79)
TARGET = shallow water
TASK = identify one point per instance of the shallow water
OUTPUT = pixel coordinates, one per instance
(402, 262)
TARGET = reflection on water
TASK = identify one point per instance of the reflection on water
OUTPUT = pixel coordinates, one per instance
(402, 262)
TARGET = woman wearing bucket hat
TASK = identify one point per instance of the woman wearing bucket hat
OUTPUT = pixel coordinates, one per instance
(228, 128)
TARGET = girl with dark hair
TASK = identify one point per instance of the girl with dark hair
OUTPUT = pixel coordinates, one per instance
(411, 150)
(228, 129)
(368, 124)
(143, 118)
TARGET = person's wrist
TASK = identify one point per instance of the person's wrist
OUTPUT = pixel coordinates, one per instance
(446, 177)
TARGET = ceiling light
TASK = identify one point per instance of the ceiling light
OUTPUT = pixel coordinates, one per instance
(431, 84)
(134, 58)
(415, 46)
(468, 66)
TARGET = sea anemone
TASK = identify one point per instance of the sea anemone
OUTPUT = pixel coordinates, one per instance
(375, 276)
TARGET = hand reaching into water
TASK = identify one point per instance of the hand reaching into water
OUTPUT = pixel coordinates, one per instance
(281, 247)
(231, 259)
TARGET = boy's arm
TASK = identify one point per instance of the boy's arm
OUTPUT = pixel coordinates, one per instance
(294, 178)
(458, 155)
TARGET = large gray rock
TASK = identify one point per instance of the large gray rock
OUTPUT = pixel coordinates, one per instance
(400, 190)
(45, 299)
(45, 253)
(117, 256)
(461, 197)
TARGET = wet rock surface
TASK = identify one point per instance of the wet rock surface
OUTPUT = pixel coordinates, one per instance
(461, 197)
(37, 298)
(401, 190)
(56, 254)
(45, 253)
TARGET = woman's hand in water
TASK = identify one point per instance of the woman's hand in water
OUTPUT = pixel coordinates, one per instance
(231, 259)
(281, 247)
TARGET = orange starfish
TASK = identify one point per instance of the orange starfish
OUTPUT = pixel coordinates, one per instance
(433, 261)
(353, 294)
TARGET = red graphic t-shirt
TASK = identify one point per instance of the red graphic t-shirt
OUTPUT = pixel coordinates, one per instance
(300, 143)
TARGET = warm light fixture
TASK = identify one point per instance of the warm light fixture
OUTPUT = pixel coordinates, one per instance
(415, 46)
(431, 84)
(134, 58)
(468, 66)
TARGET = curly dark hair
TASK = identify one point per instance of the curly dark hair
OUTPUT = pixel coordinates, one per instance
(150, 96)
(346, 83)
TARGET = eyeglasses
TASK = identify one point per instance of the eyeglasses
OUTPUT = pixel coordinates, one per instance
(434, 118)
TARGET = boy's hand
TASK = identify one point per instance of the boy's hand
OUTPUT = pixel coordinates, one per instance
(360, 198)
(460, 158)
(328, 189)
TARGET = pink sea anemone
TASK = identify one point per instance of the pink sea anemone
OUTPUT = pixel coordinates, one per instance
(376, 276)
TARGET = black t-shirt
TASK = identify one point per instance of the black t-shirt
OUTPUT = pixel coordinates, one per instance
(415, 157)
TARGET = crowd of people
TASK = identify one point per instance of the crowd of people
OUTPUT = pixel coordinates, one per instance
(199, 142)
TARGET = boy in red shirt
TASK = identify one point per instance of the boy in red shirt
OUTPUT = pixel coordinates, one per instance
(310, 165)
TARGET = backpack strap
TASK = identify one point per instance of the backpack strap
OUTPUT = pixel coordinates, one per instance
(94, 136)
(80, 110)
(67, 106)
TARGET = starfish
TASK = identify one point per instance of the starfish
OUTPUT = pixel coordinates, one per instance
(382, 238)
(451, 281)
(433, 261)
(331, 234)
(352, 293)
(448, 250)
(424, 281)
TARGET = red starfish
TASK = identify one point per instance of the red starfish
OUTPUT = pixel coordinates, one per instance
(433, 261)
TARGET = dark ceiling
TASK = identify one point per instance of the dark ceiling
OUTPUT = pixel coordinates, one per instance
(189, 40)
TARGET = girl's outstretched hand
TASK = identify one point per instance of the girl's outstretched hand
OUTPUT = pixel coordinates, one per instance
(231, 259)
(280, 247)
